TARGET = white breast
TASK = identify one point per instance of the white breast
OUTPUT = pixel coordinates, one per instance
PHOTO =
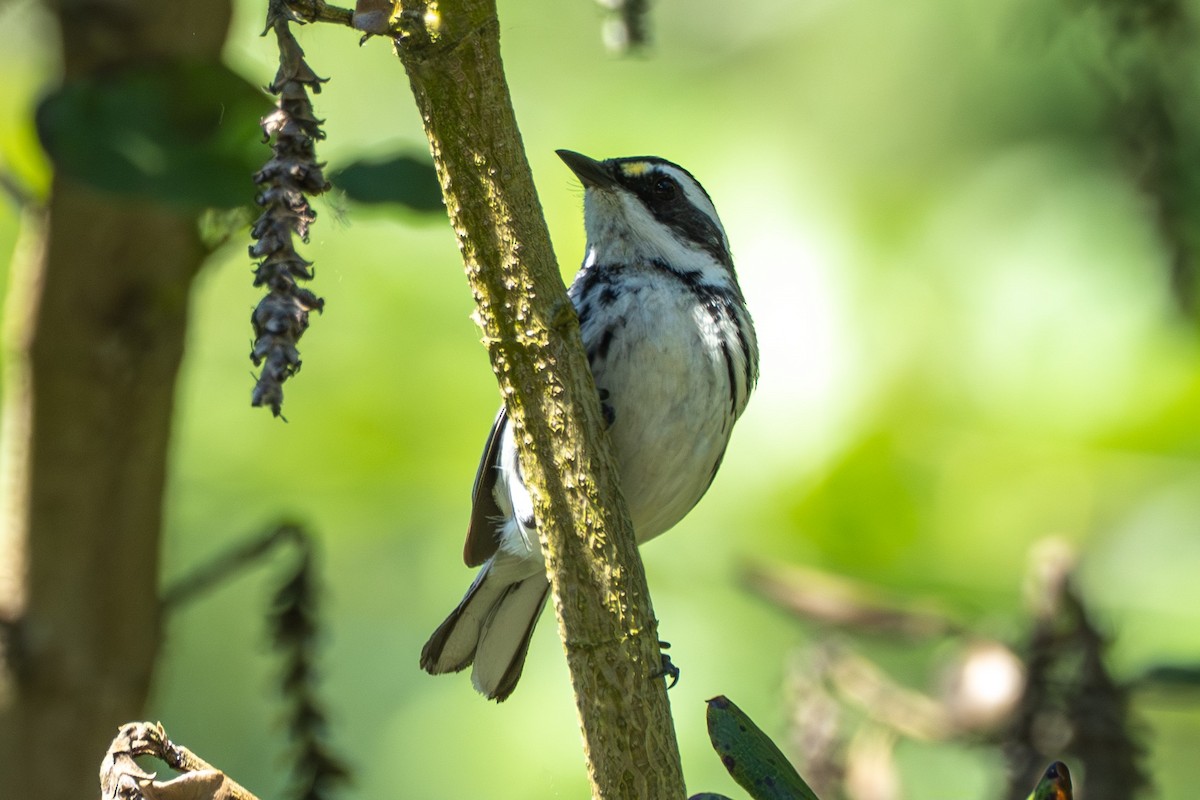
(667, 383)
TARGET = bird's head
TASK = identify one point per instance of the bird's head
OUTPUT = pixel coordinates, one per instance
(646, 208)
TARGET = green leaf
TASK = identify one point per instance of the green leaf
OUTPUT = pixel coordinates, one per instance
(751, 757)
(709, 796)
(1054, 785)
(409, 181)
(184, 133)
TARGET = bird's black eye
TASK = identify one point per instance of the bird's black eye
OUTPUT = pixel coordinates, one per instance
(665, 189)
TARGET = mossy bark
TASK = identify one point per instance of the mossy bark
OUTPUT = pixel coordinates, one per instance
(451, 51)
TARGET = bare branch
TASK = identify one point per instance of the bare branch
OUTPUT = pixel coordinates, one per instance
(122, 779)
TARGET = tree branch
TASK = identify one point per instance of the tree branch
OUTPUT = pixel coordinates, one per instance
(451, 51)
(122, 779)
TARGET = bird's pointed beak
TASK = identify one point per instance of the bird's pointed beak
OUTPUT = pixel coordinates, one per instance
(594, 174)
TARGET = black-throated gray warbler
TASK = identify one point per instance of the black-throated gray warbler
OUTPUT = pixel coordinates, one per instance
(673, 351)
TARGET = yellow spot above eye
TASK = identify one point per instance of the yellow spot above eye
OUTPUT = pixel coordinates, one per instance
(634, 168)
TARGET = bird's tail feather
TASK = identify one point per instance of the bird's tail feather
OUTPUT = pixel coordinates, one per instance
(500, 656)
(491, 628)
(451, 648)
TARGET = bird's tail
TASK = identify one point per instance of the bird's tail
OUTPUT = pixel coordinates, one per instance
(490, 628)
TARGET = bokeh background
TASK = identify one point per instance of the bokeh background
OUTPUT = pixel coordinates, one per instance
(962, 283)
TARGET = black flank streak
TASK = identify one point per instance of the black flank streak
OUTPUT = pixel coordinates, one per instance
(745, 348)
(605, 342)
(599, 349)
(733, 392)
(721, 304)
(592, 278)
(598, 285)
(610, 414)
(716, 466)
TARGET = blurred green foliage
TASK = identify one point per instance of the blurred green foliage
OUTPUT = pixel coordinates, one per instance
(175, 133)
(969, 343)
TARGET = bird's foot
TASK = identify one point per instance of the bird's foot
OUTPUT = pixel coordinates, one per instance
(668, 668)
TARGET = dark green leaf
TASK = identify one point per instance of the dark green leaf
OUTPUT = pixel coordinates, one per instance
(1181, 676)
(709, 796)
(184, 133)
(409, 181)
(751, 757)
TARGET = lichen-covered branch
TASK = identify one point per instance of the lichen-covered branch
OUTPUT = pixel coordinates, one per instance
(451, 51)
(286, 182)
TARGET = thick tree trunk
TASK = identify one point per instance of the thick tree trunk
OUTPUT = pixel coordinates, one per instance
(98, 313)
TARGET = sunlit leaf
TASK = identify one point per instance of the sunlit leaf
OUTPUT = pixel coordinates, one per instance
(751, 757)
(183, 133)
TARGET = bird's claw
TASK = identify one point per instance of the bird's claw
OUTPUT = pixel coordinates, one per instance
(668, 668)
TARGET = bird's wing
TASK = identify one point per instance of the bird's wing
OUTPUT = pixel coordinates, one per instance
(483, 536)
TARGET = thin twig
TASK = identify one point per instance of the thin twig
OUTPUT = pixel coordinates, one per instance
(222, 568)
(320, 11)
(840, 602)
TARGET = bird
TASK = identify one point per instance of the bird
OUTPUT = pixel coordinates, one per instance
(672, 348)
